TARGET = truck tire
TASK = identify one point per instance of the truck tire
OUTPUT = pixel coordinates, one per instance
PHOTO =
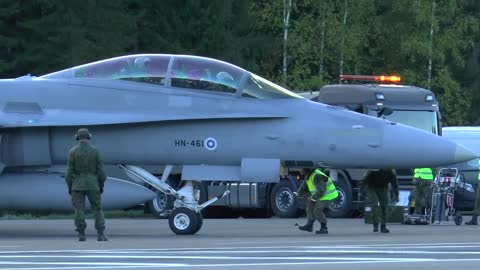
(283, 201)
(341, 207)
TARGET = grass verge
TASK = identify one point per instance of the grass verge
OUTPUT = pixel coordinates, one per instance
(44, 215)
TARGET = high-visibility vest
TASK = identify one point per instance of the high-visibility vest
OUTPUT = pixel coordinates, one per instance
(330, 192)
(423, 173)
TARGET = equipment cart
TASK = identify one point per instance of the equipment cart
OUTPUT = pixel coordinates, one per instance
(443, 197)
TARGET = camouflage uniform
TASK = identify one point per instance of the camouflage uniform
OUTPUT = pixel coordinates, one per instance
(86, 177)
(376, 183)
(422, 185)
(476, 210)
(315, 209)
(422, 190)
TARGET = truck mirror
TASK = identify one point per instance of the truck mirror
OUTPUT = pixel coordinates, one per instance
(384, 111)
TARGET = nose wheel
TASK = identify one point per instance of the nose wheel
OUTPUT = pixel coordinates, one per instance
(186, 218)
(185, 221)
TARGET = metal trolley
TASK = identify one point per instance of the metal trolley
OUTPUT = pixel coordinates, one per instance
(443, 196)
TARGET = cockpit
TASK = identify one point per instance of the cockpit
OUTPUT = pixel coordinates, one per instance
(179, 71)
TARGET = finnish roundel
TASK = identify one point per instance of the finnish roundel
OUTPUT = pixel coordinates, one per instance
(210, 144)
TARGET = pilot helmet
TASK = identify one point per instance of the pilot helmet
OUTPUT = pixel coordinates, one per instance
(83, 134)
(141, 62)
(225, 77)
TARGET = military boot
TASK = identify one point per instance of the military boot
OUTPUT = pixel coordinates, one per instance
(101, 237)
(81, 236)
(323, 229)
(473, 221)
(375, 227)
(383, 228)
(307, 227)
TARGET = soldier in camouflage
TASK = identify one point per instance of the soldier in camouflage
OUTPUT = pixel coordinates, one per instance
(86, 177)
(321, 191)
(376, 183)
(476, 209)
(422, 181)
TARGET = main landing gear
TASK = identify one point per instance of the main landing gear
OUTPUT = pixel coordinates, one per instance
(186, 217)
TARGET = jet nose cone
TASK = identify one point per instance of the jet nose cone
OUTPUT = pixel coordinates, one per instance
(462, 154)
(415, 148)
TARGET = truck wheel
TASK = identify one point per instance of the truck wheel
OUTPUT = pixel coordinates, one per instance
(183, 221)
(159, 205)
(341, 207)
(458, 220)
(282, 200)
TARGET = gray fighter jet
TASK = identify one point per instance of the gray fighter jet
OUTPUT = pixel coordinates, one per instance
(209, 119)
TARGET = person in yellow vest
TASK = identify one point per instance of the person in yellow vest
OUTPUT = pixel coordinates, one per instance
(422, 181)
(320, 191)
(376, 182)
(476, 209)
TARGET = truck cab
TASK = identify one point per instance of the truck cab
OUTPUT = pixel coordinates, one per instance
(378, 96)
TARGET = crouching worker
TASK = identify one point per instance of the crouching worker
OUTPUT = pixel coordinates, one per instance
(320, 190)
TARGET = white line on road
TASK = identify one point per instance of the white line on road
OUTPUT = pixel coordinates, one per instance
(245, 264)
(330, 251)
(330, 258)
(237, 248)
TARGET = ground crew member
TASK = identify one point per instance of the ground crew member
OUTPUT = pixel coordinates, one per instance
(321, 191)
(422, 180)
(85, 177)
(376, 183)
(476, 210)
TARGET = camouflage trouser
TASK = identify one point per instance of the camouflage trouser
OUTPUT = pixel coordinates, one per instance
(378, 196)
(476, 209)
(422, 190)
(315, 210)
(95, 199)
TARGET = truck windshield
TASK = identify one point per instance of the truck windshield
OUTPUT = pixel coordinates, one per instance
(426, 120)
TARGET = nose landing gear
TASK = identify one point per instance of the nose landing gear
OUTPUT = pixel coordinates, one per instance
(186, 217)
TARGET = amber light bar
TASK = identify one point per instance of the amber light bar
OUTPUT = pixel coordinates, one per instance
(381, 78)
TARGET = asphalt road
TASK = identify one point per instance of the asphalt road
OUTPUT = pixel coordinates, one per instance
(237, 244)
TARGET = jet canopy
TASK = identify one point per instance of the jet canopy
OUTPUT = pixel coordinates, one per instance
(178, 71)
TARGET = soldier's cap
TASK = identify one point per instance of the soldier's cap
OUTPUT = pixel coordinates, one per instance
(83, 134)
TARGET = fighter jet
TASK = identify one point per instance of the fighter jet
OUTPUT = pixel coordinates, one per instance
(207, 118)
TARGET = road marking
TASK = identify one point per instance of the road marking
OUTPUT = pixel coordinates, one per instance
(225, 256)
(243, 264)
(209, 257)
(236, 248)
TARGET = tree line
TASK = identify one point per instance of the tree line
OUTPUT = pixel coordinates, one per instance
(300, 44)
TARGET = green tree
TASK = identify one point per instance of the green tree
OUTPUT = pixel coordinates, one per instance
(60, 34)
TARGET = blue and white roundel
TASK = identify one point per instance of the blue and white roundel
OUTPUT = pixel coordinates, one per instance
(210, 144)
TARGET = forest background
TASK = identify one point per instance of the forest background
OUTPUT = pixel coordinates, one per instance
(299, 44)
